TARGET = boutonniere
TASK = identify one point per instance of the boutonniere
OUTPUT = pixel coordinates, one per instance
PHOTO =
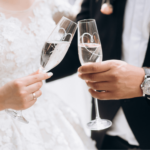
(106, 7)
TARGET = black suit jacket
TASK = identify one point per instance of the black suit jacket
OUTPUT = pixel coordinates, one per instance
(137, 110)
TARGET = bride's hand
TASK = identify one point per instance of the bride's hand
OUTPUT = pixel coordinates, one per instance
(18, 94)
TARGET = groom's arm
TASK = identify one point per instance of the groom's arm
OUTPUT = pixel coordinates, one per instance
(70, 63)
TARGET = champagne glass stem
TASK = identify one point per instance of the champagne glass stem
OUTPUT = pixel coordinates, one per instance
(96, 108)
(17, 115)
(20, 117)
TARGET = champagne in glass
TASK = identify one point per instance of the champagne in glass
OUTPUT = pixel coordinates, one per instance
(54, 50)
(90, 50)
(57, 44)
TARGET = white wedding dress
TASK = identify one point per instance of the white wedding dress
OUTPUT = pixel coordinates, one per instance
(53, 125)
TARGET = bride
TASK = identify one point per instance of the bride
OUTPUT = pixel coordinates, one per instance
(24, 27)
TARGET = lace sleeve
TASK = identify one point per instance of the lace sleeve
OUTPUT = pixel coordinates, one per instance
(64, 8)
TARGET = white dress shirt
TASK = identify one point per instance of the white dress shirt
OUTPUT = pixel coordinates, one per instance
(135, 40)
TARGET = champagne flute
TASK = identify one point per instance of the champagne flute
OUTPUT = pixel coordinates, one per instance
(90, 50)
(57, 44)
(53, 52)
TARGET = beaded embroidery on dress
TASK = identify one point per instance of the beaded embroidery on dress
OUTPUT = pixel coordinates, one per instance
(53, 125)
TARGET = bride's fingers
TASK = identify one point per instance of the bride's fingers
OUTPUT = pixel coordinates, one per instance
(34, 87)
(34, 73)
(29, 104)
(36, 78)
(35, 95)
(30, 100)
(32, 97)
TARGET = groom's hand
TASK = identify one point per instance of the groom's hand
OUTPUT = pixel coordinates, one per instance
(118, 79)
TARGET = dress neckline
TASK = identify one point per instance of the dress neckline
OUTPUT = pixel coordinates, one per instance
(19, 11)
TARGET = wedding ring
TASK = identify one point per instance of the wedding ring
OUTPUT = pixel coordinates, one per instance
(100, 91)
(34, 96)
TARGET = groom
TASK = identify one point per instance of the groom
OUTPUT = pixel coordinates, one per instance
(131, 117)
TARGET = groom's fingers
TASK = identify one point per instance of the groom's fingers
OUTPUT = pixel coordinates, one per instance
(104, 86)
(95, 67)
(97, 77)
(102, 95)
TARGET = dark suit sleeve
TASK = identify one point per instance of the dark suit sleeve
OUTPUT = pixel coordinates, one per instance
(85, 10)
(70, 63)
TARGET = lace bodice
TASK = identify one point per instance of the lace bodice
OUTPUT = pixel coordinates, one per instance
(21, 41)
(22, 35)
